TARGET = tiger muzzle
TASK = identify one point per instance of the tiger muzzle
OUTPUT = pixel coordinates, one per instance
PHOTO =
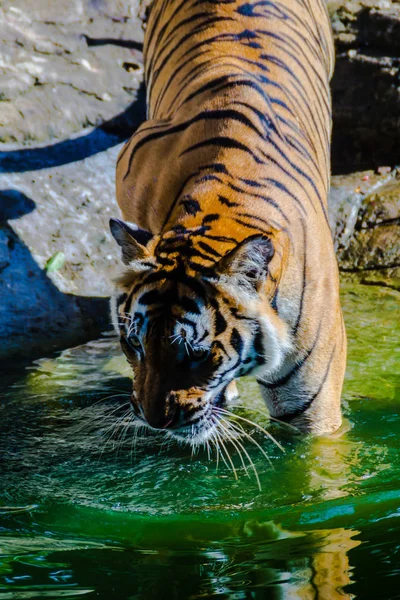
(160, 412)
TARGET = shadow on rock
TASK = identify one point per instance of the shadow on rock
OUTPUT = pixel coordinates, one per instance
(107, 135)
(35, 317)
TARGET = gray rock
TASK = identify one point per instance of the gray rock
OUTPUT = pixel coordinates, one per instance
(346, 199)
(365, 85)
(365, 220)
(61, 209)
(66, 66)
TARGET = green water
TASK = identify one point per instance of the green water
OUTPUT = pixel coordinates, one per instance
(86, 511)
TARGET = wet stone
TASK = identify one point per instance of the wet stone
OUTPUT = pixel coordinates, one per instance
(366, 223)
(63, 66)
(365, 85)
(45, 213)
(67, 102)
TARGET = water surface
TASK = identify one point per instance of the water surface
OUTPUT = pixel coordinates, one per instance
(89, 508)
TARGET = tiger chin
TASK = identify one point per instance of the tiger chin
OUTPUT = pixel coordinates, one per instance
(188, 337)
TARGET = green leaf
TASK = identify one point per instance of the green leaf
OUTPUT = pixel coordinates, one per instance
(55, 263)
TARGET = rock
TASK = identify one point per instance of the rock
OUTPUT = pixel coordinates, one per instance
(365, 219)
(43, 213)
(71, 73)
(346, 198)
(365, 85)
(64, 69)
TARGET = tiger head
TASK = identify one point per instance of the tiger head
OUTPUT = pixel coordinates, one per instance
(188, 329)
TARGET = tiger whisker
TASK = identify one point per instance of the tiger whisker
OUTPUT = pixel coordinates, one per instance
(188, 344)
(111, 410)
(125, 428)
(235, 416)
(118, 442)
(192, 446)
(119, 438)
(137, 433)
(113, 427)
(215, 444)
(217, 433)
(166, 443)
(208, 450)
(271, 418)
(120, 394)
(252, 465)
(123, 321)
(97, 418)
(219, 451)
(234, 443)
(244, 433)
(125, 315)
(104, 447)
(116, 424)
(133, 443)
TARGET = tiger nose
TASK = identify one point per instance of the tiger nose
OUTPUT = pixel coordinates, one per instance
(164, 419)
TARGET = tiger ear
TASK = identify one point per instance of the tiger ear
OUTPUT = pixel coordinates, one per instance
(247, 264)
(131, 239)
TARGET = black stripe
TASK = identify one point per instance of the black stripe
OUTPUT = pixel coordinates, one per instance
(191, 205)
(299, 364)
(152, 297)
(218, 344)
(227, 202)
(258, 347)
(203, 337)
(289, 416)
(220, 321)
(223, 142)
(209, 249)
(266, 199)
(217, 167)
(237, 342)
(249, 225)
(203, 116)
(304, 280)
(189, 305)
(183, 39)
(281, 186)
(190, 323)
(120, 299)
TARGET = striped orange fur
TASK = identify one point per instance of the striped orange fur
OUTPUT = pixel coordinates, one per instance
(230, 262)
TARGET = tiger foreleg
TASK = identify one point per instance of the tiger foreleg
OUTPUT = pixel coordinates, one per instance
(309, 397)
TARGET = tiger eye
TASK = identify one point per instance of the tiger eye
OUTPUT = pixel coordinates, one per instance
(131, 342)
(134, 341)
(200, 354)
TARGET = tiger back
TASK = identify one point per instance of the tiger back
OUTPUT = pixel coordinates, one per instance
(223, 190)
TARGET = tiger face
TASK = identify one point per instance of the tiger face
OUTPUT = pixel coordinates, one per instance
(187, 337)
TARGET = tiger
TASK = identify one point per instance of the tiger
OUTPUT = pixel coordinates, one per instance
(229, 266)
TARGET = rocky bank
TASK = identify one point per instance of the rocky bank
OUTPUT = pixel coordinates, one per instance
(71, 75)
